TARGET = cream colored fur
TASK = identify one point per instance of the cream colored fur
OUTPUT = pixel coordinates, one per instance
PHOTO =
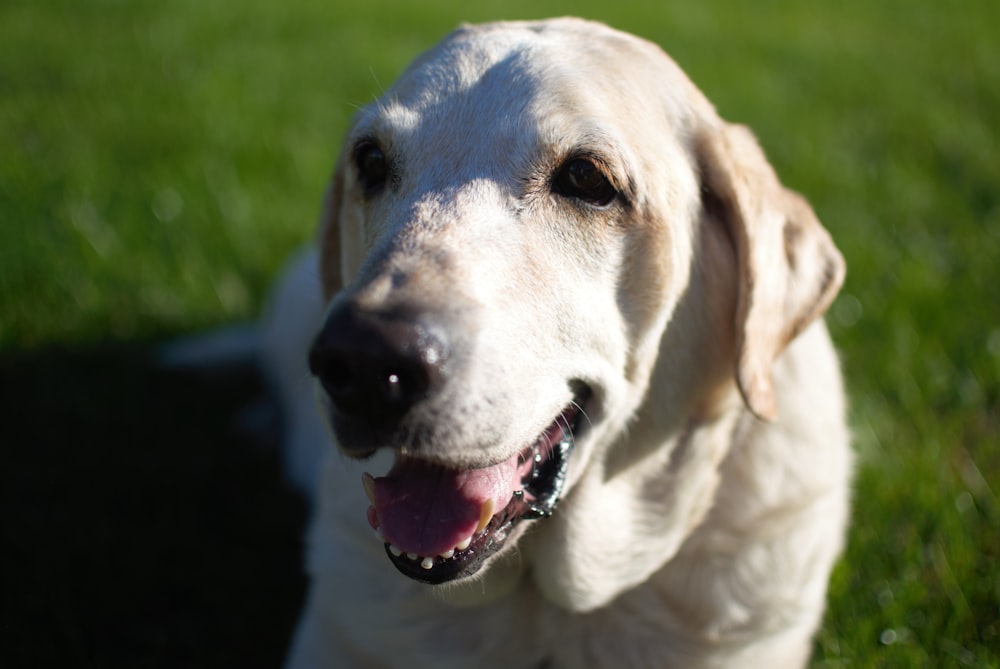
(706, 502)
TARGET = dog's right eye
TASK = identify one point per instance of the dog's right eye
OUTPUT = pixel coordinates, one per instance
(581, 178)
(373, 167)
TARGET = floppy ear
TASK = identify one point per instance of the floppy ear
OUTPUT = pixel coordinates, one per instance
(789, 269)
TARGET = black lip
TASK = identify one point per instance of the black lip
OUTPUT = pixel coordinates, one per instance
(553, 472)
(464, 563)
(546, 487)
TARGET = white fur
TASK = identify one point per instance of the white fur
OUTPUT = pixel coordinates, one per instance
(707, 501)
(292, 317)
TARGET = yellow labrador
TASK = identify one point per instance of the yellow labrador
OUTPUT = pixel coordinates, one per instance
(568, 341)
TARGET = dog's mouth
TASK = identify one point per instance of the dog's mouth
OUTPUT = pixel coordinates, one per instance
(440, 524)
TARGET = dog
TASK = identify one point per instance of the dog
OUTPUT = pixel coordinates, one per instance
(564, 325)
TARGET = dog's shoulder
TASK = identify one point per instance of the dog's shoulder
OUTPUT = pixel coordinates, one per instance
(762, 554)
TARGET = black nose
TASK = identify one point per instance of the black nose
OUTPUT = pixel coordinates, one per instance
(376, 366)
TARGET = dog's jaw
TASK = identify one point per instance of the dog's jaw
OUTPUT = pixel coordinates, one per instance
(441, 524)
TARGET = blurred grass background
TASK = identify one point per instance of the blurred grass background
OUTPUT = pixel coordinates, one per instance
(159, 161)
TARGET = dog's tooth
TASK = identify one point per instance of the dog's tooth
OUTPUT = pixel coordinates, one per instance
(412, 556)
(427, 562)
(448, 555)
(395, 551)
(369, 483)
(485, 515)
(372, 515)
(465, 544)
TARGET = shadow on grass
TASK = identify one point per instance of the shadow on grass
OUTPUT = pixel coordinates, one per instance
(137, 527)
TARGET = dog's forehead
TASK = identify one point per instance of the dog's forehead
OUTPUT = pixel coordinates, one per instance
(520, 86)
(513, 57)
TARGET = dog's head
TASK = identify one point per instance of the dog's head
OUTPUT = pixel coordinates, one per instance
(540, 232)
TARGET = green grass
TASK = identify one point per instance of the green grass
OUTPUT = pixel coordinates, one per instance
(160, 160)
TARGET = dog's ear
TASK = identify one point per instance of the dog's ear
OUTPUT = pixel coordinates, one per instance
(329, 242)
(789, 269)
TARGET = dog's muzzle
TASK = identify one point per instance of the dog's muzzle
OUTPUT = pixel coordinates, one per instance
(438, 523)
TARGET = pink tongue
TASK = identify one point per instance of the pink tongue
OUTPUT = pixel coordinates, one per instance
(429, 509)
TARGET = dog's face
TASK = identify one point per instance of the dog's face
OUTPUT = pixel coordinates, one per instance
(540, 232)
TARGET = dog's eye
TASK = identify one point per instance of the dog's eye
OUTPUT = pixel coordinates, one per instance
(373, 168)
(582, 179)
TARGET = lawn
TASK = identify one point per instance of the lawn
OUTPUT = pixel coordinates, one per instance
(161, 160)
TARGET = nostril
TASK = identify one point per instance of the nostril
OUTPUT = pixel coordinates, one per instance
(361, 387)
(404, 385)
(394, 389)
(332, 370)
(374, 368)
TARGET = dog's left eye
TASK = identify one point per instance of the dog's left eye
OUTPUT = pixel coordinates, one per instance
(584, 180)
